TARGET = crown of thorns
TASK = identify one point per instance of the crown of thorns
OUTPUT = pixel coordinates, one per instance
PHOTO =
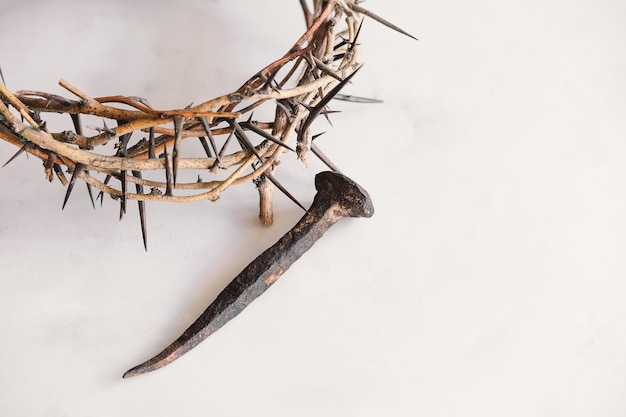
(299, 85)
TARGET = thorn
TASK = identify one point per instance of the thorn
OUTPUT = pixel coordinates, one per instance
(266, 135)
(205, 146)
(151, 146)
(353, 44)
(226, 142)
(77, 125)
(314, 112)
(103, 129)
(269, 81)
(101, 193)
(244, 141)
(18, 153)
(357, 99)
(178, 131)
(142, 219)
(124, 181)
(90, 191)
(2, 77)
(141, 100)
(324, 158)
(77, 169)
(278, 185)
(142, 212)
(379, 19)
(123, 151)
(207, 129)
(168, 173)
(325, 68)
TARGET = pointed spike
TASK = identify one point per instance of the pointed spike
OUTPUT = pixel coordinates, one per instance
(90, 192)
(168, 173)
(317, 152)
(379, 19)
(314, 112)
(178, 131)
(244, 141)
(266, 135)
(353, 44)
(357, 99)
(106, 129)
(327, 117)
(151, 145)
(326, 69)
(142, 212)
(205, 146)
(77, 169)
(101, 193)
(142, 219)
(2, 77)
(207, 128)
(18, 153)
(77, 124)
(124, 181)
(278, 185)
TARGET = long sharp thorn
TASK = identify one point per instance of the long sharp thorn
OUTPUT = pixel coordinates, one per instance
(77, 169)
(101, 193)
(379, 19)
(226, 142)
(205, 146)
(151, 146)
(142, 212)
(123, 151)
(90, 192)
(353, 44)
(278, 185)
(178, 131)
(315, 111)
(18, 153)
(244, 141)
(77, 125)
(266, 135)
(325, 68)
(207, 129)
(168, 173)
(324, 158)
(357, 99)
(2, 77)
(124, 181)
(142, 219)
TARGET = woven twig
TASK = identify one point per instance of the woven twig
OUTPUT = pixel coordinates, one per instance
(296, 88)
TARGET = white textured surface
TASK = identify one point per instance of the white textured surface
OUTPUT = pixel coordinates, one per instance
(490, 282)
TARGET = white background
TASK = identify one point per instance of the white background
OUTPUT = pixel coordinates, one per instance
(490, 282)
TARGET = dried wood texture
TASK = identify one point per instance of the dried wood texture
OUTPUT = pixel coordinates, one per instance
(296, 88)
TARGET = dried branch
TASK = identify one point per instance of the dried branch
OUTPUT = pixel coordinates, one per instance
(297, 85)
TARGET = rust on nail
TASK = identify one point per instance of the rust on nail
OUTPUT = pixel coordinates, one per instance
(337, 197)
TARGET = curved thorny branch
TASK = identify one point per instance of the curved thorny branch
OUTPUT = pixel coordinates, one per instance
(239, 148)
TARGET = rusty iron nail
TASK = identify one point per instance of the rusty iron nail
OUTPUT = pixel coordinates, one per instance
(337, 197)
